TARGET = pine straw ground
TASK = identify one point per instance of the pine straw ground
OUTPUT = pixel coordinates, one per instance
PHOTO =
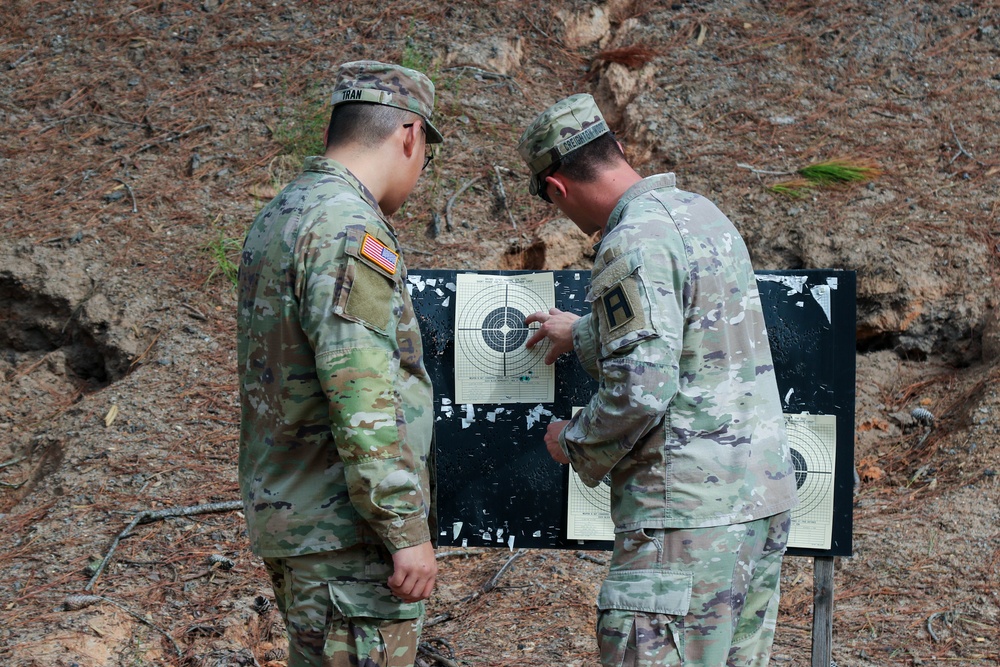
(139, 139)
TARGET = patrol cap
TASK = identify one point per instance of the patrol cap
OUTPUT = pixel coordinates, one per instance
(558, 131)
(391, 85)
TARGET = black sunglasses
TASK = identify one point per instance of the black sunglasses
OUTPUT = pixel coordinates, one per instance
(543, 186)
(430, 155)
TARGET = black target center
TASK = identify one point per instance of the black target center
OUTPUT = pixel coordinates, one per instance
(801, 469)
(504, 329)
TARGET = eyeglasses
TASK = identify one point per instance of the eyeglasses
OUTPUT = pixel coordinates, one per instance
(428, 155)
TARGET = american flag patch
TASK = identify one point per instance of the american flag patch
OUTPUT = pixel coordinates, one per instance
(379, 253)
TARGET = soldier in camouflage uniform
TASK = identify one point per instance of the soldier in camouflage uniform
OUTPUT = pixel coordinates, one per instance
(336, 404)
(687, 420)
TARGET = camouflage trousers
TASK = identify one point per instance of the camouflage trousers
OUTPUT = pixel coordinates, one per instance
(339, 611)
(705, 596)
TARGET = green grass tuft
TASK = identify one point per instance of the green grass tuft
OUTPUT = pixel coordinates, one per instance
(829, 174)
(301, 133)
(796, 189)
(224, 252)
(835, 172)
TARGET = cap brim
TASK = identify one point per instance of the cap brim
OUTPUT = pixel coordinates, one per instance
(433, 136)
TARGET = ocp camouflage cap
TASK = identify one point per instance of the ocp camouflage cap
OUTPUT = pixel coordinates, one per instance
(558, 131)
(391, 85)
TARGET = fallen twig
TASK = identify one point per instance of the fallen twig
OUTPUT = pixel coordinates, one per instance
(148, 516)
(75, 602)
(414, 251)
(11, 462)
(429, 648)
(451, 201)
(583, 555)
(462, 552)
(961, 148)
(764, 171)
(486, 74)
(128, 188)
(174, 137)
(20, 60)
(502, 196)
(440, 618)
(490, 584)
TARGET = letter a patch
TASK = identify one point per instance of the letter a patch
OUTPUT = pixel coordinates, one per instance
(617, 307)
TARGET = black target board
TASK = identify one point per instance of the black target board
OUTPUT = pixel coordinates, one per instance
(497, 485)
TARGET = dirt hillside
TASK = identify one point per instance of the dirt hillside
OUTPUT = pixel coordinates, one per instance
(139, 139)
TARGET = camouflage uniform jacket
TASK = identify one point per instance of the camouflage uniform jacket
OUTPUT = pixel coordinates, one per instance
(687, 418)
(336, 403)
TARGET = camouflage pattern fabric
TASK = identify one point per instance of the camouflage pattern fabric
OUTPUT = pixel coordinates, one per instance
(687, 418)
(702, 596)
(340, 612)
(336, 403)
(388, 84)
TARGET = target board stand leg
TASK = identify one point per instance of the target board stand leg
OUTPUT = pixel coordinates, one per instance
(822, 631)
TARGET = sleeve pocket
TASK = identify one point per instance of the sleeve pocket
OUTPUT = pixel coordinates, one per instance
(650, 591)
(369, 288)
(620, 303)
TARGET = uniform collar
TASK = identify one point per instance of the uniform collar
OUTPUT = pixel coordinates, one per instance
(637, 189)
(325, 165)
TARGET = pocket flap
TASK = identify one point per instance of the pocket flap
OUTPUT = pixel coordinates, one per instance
(620, 268)
(370, 599)
(651, 591)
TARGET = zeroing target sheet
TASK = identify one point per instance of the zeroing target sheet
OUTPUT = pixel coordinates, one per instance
(492, 365)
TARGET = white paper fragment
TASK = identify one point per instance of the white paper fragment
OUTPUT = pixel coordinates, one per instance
(456, 529)
(535, 415)
(822, 295)
(795, 284)
(470, 415)
(415, 280)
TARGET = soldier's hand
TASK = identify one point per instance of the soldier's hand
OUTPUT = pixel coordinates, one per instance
(552, 441)
(557, 326)
(414, 573)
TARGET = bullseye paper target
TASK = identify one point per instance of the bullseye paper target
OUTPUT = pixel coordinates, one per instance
(492, 365)
(812, 439)
(589, 510)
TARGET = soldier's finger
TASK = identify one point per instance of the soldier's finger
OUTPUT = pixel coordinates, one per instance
(538, 316)
(536, 338)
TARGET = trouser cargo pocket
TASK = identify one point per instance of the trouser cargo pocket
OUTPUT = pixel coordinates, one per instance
(640, 618)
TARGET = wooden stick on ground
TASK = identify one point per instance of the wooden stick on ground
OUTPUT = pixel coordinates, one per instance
(451, 202)
(492, 582)
(503, 197)
(148, 516)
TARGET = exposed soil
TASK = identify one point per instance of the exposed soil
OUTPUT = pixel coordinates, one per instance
(138, 138)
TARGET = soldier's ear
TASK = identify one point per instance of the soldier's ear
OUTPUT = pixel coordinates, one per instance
(556, 185)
